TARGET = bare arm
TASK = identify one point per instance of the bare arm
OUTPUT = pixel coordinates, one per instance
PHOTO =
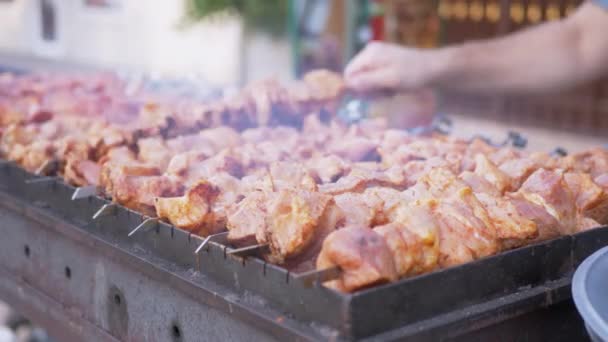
(547, 57)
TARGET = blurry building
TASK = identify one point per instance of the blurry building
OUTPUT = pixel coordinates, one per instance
(142, 36)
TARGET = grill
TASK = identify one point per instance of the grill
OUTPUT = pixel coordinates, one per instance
(85, 278)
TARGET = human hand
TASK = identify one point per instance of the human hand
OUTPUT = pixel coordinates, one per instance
(383, 67)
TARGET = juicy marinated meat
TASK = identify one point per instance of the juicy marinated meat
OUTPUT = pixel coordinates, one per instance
(82, 172)
(139, 192)
(190, 167)
(362, 210)
(355, 149)
(293, 222)
(464, 221)
(328, 169)
(518, 170)
(154, 151)
(363, 256)
(593, 161)
(602, 180)
(549, 190)
(512, 229)
(486, 169)
(360, 179)
(547, 225)
(591, 199)
(479, 184)
(413, 238)
(192, 211)
(247, 219)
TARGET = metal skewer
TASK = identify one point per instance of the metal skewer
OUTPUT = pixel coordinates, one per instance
(214, 237)
(85, 192)
(41, 180)
(559, 152)
(249, 250)
(105, 210)
(319, 276)
(147, 223)
(516, 139)
(46, 167)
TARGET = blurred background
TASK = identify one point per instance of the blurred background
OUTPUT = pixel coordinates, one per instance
(231, 42)
(228, 43)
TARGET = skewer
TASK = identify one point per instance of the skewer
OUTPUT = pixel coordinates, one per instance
(85, 192)
(213, 237)
(249, 250)
(559, 152)
(105, 210)
(147, 223)
(319, 276)
(41, 180)
(516, 139)
(46, 167)
(442, 125)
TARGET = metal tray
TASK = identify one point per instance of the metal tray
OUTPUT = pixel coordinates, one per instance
(470, 299)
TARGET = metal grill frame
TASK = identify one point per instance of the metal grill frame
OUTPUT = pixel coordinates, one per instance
(265, 297)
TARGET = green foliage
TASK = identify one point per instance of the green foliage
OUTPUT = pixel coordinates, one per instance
(264, 15)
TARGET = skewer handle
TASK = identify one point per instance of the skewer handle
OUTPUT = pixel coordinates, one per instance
(105, 210)
(319, 276)
(85, 192)
(147, 223)
(215, 237)
(249, 250)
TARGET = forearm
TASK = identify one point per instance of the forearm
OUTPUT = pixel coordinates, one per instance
(549, 57)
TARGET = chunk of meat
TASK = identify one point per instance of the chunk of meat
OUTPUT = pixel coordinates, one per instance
(547, 225)
(154, 151)
(355, 149)
(328, 168)
(247, 219)
(518, 170)
(192, 211)
(293, 222)
(192, 166)
(363, 256)
(291, 175)
(549, 190)
(602, 180)
(591, 199)
(360, 179)
(479, 184)
(138, 192)
(82, 172)
(363, 210)
(512, 229)
(413, 238)
(593, 161)
(465, 224)
(485, 168)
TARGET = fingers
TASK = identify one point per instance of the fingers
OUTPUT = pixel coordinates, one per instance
(371, 70)
(376, 80)
(363, 61)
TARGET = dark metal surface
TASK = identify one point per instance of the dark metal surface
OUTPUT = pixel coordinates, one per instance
(160, 279)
